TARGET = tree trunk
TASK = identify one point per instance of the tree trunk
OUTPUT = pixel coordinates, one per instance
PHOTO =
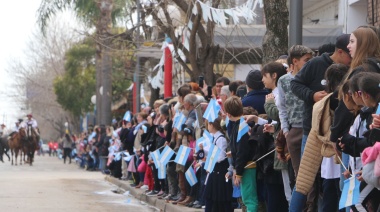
(98, 66)
(104, 26)
(275, 41)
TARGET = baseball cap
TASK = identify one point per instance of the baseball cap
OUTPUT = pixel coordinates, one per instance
(342, 42)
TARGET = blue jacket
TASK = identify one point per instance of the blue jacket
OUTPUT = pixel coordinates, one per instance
(256, 99)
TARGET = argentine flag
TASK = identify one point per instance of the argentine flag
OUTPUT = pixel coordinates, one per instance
(206, 140)
(175, 118)
(190, 176)
(227, 121)
(212, 110)
(182, 155)
(127, 116)
(243, 129)
(166, 154)
(212, 158)
(156, 158)
(162, 172)
(181, 119)
(350, 193)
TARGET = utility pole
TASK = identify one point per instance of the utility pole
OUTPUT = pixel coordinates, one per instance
(136, 76)
(295, 22)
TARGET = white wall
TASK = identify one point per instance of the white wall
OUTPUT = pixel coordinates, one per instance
(324, 10)
(242, 70)
(356, 14)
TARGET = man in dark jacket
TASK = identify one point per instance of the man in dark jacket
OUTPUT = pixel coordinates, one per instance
(256, 92)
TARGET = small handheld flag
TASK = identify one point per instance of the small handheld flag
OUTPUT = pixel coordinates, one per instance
(227, 121)
(206, 140)
(243, 129)
(181, 119)
(127, 116)
(162, 172)
(212, 158)
(212, 111)
(190, 176)
(166, 154)
(156, 158)
(350, 193)
(182, 155)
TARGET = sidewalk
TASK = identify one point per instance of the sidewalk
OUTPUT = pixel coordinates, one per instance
(154, 201)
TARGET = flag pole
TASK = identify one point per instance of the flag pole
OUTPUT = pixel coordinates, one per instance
(260, 158)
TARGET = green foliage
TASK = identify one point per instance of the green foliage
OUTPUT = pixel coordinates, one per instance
(86, 10)
(75, 88)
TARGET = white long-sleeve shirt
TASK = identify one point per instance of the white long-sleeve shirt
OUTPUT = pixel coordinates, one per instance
(221, 142)
(32, 121)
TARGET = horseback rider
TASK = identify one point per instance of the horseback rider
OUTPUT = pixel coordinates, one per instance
(15, 129)
(31, 122)
(17, 126)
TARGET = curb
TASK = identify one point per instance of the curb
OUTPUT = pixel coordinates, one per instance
(154, 201)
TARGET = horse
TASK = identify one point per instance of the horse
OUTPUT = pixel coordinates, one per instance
(16, 144)
(4, 148)
(31, 143)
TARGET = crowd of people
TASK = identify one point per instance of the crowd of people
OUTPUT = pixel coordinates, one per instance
(312, 127)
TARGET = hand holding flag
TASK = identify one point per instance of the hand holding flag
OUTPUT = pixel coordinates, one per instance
(243, 129)
(127, 116)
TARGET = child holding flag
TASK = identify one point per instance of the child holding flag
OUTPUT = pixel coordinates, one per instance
(241, 152)
(218, 192)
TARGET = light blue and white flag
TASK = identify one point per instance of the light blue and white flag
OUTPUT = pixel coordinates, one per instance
(206, 140)
(127, 116)
(243, 129)
(175, 118)
(166, 154)
(227, 121)
(162, 171)
(156, 158)
(127, 157)
(197, 142)
(212, 110)
(182, 155)
(350, 193)
(212, 158)
(117, 156)
(190, 176)
(181, 119)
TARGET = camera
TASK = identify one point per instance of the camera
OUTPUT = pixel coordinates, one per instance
(153, 115)
(160, 129)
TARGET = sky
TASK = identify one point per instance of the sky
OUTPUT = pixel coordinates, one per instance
(17, 19)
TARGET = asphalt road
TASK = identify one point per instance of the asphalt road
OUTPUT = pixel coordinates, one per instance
(50, 185)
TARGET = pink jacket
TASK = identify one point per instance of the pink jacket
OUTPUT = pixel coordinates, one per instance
(370, 153)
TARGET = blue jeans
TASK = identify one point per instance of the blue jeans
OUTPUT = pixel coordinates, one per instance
(297, 203)
(304, 139)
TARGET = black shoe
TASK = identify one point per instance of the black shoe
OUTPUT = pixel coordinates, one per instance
(197, 206)
(132, 185)
(152, 193)
(190, 204)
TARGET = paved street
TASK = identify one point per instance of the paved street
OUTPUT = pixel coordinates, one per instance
(50, 185)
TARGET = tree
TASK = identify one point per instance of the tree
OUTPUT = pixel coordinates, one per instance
(275, 41)
(101, 14)
(34, 75)
(203, 53)
(76, 86)
(202, 59)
